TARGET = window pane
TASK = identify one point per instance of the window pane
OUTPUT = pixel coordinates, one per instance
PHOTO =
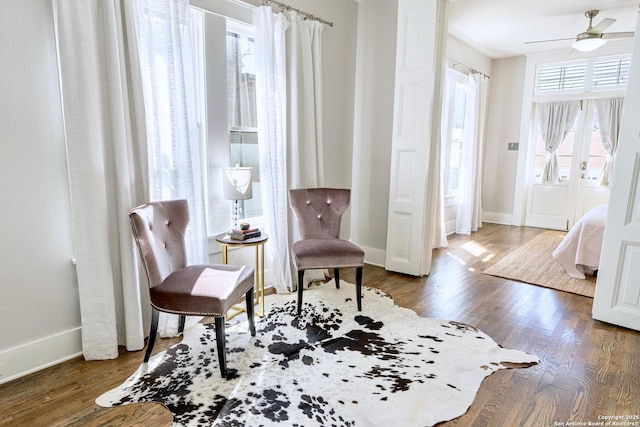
(564, 154)
(612, 73)
(561, 77)
(243, 148)
(241, 112)
(241, 81)
(457, 134)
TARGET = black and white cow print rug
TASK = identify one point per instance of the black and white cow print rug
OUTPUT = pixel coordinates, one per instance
(332, 366)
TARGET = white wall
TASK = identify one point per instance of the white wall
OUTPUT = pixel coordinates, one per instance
(39, 310)
(461, 53)
(375, 75)
(502, 126)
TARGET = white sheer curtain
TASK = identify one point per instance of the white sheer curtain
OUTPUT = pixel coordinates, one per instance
(175, 165)
(112, 166)
(555, 120)
(469, 215)
(106, 150)
(295, 44)
(609, 113)
(271, 89)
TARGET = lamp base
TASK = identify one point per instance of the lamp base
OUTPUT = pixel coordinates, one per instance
(236, 215)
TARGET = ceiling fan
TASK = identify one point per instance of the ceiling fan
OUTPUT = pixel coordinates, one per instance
(593, 37)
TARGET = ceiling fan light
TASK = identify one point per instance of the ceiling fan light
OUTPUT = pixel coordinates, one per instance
(588, 44)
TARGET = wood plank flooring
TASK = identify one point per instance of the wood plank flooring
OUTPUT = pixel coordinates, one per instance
(588, 369)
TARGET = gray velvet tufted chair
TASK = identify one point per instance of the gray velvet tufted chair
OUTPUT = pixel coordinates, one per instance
(319, 213)
(174, 287)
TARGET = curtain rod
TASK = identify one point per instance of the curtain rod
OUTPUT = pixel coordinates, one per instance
(284, 6)
(470, 70)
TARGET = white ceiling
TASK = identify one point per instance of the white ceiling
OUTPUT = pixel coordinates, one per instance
(499, 28)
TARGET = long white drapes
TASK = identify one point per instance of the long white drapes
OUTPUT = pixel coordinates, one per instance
(112, 164)
(469, 215)
(304, 71)
(271, 89)
(298, 162)
(107, 167)
(609, 113)
(555, 120)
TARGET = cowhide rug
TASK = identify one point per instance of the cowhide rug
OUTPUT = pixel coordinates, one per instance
(383, 366)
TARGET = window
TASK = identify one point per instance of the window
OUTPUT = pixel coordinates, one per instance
(225, 70)
(564, 153)
(583, 142)
(587, 75)
(581, 154)
(454, 119)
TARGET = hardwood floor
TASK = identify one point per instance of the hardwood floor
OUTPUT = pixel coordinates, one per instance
(588, 369)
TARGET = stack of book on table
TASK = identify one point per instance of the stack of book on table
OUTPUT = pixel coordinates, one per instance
(249, 233)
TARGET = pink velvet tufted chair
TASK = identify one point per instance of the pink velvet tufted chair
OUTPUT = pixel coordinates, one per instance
(319, 214)
(174, 287)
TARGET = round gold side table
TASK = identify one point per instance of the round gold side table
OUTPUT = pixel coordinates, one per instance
(258, 242)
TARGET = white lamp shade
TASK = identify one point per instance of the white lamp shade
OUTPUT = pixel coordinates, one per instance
(588, 44)
(236, 183)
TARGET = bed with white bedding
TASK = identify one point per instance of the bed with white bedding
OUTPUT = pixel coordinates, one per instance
(579, 251)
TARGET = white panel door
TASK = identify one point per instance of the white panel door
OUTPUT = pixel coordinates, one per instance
(617, 296)
(417, 71)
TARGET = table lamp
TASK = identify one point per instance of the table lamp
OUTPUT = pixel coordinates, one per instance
(236, 186)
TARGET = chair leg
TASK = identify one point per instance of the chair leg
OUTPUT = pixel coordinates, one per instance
(155, 315)
(181, 323)
(359, 287)
(336, 276)
(221, 342)
(300, 286)
(250, 311)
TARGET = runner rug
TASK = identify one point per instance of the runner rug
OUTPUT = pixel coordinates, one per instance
(532, 263)
(333, 365)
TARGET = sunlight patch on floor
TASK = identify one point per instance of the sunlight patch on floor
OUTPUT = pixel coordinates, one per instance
(456, 258)
(488, 258)
(474, 248)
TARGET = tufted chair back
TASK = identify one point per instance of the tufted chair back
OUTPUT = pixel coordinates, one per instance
(159, 229)
(319, 211)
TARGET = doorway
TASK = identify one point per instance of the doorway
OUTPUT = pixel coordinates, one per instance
(581, 157)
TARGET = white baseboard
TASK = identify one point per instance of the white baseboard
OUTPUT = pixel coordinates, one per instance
(498, 218)
(27, 358)
(373, 256)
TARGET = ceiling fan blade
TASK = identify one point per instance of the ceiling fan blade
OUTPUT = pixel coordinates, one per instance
(620, 35)
(603, 25)
(551, 40)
